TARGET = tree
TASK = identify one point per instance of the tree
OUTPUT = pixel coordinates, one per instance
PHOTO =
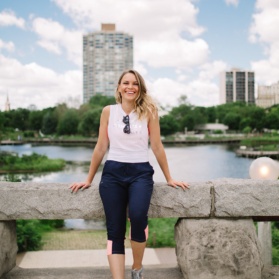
(211, 114)
(232, 119)
(180, 115)
(49, 123)
(245, 122)
(168, 125)
(101, 101)
(35, 120)
(90, 122)
(2, 119)
(69, 123)
(271, 120)
(17, 119)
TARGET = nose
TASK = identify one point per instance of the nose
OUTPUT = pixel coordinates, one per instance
(130, 85)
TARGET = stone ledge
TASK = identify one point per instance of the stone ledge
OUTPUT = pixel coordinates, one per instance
(246, 198)
(221, 198)
(22, 200)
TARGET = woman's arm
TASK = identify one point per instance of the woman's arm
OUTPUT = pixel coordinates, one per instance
(98, 153)
(159, 151)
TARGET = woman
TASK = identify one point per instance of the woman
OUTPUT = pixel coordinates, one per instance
(127, 178)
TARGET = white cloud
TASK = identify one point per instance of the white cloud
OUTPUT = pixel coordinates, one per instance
(264, 30)
(9, 46)
(33, 84)
(8, 18)
(232, 2)
(159, 29)
(56, 38)
(201, 90)
(176, 52)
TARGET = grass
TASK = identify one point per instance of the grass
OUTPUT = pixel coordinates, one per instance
(161, 234)
(76, 240)
(33, 163)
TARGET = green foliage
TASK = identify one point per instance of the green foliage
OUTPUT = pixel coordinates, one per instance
(36, 120)
(2, 119)
(90, 122)
(161, 232)
(33, 162)
(84, 121)
(28, 134)
(168, 125)
(101, 101)
(218, 132)
(275, 243)
(232, 119)
(49, 225)
(50, 122)
(68, 123)
(272, 120)
(29, 238)
(247, 130)
(258, 141)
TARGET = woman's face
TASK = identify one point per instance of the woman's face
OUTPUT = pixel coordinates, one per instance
(128, 87)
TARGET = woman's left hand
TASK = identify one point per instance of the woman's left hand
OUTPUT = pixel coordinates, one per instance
(178, 184)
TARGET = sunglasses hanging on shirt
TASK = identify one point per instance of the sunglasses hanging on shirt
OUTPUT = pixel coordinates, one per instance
(126, 121)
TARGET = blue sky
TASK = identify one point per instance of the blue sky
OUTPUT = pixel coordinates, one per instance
(180, 48)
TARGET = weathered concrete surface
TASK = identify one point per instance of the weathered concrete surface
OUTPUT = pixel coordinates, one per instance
(170, 202)
(246, 197)
(271, 272)
(157, 272)
(55, 201)
(218, 249)
(8, 246)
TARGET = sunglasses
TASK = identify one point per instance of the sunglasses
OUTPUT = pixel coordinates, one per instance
(126, 121)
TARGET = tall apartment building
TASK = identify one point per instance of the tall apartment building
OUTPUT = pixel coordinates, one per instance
(237, 85)
(106, 54)
(268, 95)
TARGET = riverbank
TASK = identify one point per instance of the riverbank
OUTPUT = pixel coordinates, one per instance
(12, 163)
(92, 141)
(257, 154)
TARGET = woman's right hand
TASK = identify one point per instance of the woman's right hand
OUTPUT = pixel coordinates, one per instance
(79, 185)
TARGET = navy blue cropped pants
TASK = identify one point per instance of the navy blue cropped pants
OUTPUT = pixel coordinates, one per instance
(126, 188)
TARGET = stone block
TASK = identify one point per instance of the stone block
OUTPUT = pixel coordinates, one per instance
(245, 197)
(48, 201)
(170, 202)
(55, 201)
(8, 246)
(218, 249)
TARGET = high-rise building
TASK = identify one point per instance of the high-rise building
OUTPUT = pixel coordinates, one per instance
(237, 85)
(268, 95)
(106, 54)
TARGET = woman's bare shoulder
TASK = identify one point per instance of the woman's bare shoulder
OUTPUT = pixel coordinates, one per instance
(106, 110)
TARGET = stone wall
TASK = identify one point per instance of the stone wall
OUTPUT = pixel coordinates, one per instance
(222, 198)
(209, 238)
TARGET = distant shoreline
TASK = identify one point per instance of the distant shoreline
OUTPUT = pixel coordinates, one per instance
(94, 141)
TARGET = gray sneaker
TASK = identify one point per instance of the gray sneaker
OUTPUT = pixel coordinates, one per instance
(137, 274)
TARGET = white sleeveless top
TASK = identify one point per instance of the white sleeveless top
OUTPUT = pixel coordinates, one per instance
(128, 148)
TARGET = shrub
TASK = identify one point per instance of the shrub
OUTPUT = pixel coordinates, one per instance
(29, 238)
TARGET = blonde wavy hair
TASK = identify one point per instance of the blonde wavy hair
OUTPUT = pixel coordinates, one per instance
(144, 102)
